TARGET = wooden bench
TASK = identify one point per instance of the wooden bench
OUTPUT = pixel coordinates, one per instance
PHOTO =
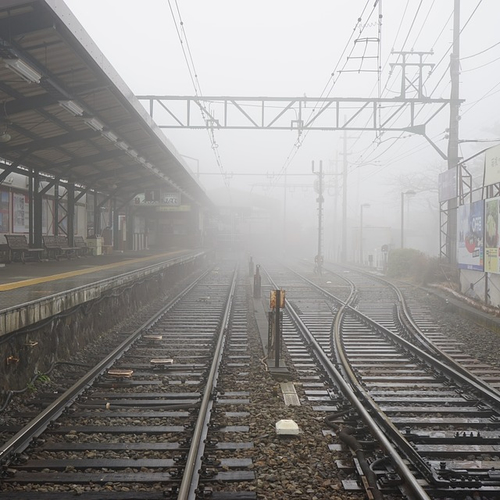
(18, 246)
(83, 248)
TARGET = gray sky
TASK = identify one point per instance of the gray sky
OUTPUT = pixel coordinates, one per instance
(290, 48)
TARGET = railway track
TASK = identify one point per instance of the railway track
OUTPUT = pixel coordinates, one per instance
(442, 420)
(149, 421)
(186, 423)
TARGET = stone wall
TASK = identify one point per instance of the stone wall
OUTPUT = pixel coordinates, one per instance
(33, 350)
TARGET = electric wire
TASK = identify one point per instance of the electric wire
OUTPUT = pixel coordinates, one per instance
(193, 74)
(330, 83)
(488, 94)
(409, 31)
(479, 53)
(451, 46)
(479, 67)
(374, 143)
(424, 22)
(445, 72)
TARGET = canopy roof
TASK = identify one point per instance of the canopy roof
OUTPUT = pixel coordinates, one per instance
(66, 113)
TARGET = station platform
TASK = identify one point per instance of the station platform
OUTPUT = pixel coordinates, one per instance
(36, 290)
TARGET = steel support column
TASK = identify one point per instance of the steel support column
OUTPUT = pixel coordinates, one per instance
(37, 211)
(116, 235)
(56, 207)
(97, 215)
(70, 214)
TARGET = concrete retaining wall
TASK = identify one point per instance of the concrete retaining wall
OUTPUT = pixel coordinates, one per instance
(70, 321)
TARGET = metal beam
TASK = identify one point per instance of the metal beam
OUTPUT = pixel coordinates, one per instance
(89, 160)
(287, 113)
(397, 114)
(21, 24)
(43, 144)
(20, 105)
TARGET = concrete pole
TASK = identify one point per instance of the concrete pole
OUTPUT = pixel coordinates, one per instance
(453, 158)
(343, 255)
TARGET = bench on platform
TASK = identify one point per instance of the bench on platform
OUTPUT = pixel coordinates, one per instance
(83, 248)
(18, 246)
(66, 250)
(51, 246)
(57, 247)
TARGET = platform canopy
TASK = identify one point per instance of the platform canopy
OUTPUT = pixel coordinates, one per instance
(66, 113)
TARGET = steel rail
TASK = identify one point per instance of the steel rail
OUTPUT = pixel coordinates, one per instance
(190, 478)
(417, 490)
(19, 442)
(457, 375)
(455, 371)
(407, 321)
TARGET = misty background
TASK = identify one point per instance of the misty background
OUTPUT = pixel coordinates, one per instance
(286, 48)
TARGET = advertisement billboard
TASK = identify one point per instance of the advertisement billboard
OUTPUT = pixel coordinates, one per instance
(491, 238)
(470, 236)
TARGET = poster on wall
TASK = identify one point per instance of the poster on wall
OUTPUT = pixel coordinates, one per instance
(4, 212)
(470, 236)
(491, 239)
(20, 213)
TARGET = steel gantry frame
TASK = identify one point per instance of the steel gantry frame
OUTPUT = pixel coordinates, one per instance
(307, 114)
(295, 113)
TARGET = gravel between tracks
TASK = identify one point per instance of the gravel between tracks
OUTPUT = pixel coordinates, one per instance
(479, 341)
(299, 467)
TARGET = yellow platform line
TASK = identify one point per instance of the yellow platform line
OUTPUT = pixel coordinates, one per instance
(78, 272)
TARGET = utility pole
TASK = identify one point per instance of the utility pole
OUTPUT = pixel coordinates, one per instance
(319, 257)
(453, 158)
(343, 253)
(335, 226)
(285, 246)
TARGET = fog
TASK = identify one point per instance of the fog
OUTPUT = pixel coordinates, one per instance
(288, 48)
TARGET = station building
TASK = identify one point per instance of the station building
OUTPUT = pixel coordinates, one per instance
(79, 155)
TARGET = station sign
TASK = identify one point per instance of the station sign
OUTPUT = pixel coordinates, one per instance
(169, 208)
(156, 198)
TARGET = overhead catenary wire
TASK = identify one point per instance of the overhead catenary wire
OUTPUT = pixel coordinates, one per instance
(327, 89)
(479, 67)
(445, 71)
(374, 144)
(193, 74)
(481, 52)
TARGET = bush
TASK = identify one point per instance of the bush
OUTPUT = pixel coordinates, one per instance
(413, 265)
(407, 263)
